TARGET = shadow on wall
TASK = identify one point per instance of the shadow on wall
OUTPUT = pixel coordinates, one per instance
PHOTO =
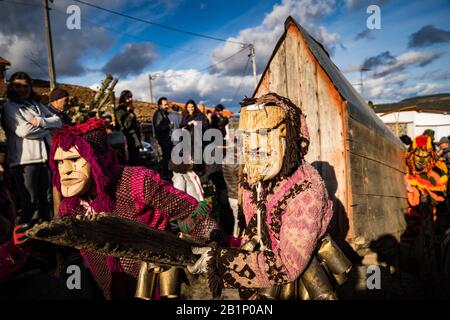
(397, 262)
(339, 224)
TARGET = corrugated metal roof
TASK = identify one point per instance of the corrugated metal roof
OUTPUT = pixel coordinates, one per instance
(357, 107)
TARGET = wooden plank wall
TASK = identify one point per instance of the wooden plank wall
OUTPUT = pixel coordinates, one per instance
(295, 73)
(378, 190)
(363, 171)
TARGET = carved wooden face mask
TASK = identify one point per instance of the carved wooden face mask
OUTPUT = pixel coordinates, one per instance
(74, 171)
(263, 140)
(421, 159)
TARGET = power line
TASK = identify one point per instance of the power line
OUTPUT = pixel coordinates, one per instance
(158, 24)
(244, 45)
(204, 69)
(149, 22)
(242, 79)
(129, 35)
(141, 38)
(23, 3)
(37, 64)
(222, 61)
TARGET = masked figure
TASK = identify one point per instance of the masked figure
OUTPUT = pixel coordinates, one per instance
(286, 209)
(427, 218)
(426, 184)
(425, 175)
(86, 173)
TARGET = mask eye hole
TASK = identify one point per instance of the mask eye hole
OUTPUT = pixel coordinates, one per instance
(421, 157)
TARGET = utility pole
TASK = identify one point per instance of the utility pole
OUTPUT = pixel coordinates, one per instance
(362, 83)
(150, 78)
(253, 56)
(48, 32)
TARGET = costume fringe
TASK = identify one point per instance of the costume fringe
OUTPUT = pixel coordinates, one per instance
(215, 273)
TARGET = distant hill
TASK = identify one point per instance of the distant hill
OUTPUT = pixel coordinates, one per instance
(439, 103)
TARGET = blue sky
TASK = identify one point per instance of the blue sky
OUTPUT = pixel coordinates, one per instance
(408, 56)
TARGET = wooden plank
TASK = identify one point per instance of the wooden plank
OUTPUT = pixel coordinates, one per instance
(358, 177)
(383, 180)
(309, 100)
(374, 216)
(293, 65)
(264, 86)
(347, 168)
(278, 72)
(332, 148)
(383, 162)
(367, 143)
(359, 213)
(387, 216)
(377, 177)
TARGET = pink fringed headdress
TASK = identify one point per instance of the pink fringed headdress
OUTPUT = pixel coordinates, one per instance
(90, 140)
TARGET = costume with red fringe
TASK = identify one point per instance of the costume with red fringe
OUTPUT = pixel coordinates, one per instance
(134, 193)
(430, 181)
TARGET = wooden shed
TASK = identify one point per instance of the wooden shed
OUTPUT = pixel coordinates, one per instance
(359, 158)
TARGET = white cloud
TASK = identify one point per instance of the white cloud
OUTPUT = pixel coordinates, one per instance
(436, 75)
(20, 51)
(409, 59)
(352, 68)
(181, 85)
(416, 57)
(388, 82)
(308, 13)
(395, 87)
(360, 4)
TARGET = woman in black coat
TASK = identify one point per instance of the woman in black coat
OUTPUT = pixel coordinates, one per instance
(192, 122)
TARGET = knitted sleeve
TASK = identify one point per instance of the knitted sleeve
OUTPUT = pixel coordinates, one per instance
(193, 217)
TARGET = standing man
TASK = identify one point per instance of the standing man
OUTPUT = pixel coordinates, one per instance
(28, 125)
(162, 127)
(58, 102)
(218, 120)
(126, 121)
(175, 119)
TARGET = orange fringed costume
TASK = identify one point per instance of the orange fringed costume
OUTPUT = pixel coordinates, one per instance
(431, 181)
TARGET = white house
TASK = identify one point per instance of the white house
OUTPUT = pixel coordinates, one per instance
(414, 115)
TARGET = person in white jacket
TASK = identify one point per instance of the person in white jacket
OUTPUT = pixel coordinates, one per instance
(28, 125)
(185, 179)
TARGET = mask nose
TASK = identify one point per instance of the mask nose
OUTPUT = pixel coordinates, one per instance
(66, 168)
